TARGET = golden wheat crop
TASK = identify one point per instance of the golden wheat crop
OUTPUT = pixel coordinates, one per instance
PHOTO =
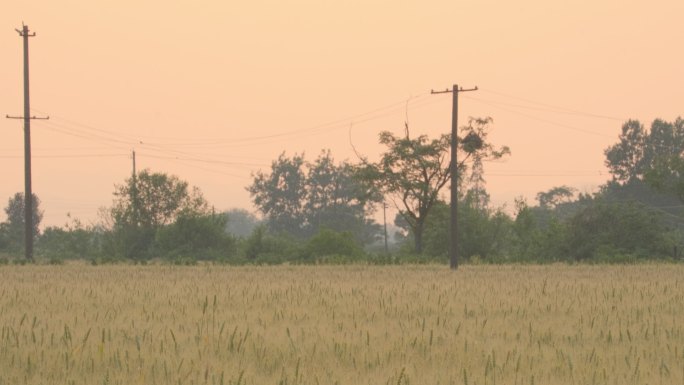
(78, 324)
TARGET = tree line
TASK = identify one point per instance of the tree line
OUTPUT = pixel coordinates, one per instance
(323, 210)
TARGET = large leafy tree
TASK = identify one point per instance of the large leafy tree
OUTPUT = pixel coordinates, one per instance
(155, 199)
(667, 175)
(279, 196)
(413, 171)
(13, 229)
(337, 199)
(666, 171)
(640, 150)
(300, 198)
(144, 204)
(609, 230)
(554, 197)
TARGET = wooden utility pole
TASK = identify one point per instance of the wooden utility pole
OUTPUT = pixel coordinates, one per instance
(134, 192)
(384, 222)
(28, 193)
(453, 170)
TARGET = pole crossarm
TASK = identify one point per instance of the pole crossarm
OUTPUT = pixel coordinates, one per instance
(30, 117)
(450, 91)
(24, 32)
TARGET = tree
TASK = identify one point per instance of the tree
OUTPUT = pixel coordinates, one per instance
(329, 243)
(667, 175)
(240, 222)
(610, 230)
(144, 204)
(155, 199)
(14, 228)
(200, 236)
(625, 158)
(337, 200)
(556, 196)
(74, 240)
(413, 171)
(299, 197)
(279, 195)
(667, 165)
(483, 231)
(640, 150)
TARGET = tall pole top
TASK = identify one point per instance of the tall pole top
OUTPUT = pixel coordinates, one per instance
(24, 31)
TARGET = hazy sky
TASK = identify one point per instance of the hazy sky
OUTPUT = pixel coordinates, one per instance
(213, 90)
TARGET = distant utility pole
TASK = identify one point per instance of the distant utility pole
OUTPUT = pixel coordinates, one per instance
(134, 191)
(453, 170)
(28, 193)
(384, 221)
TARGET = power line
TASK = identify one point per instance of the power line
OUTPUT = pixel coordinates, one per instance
(542, 119)
(66, 156)
(336, 124)
(112, 142)
(209, 161)
(539, 175)
(559, 109)
(89, 127)
(544, 109)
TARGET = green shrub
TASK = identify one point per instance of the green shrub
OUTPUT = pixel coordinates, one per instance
(264, 248)
(328, 243)
(201, 236)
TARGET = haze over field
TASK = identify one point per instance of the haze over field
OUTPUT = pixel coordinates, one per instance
(213, 91)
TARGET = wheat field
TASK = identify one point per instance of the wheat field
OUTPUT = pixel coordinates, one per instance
(558, 324)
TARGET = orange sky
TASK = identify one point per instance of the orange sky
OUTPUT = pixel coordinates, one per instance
(214, 90)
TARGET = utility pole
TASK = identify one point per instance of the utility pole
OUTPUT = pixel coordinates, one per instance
(133, 156)
(453, 170)
(384, 221)
(134, 192)
(28, 193)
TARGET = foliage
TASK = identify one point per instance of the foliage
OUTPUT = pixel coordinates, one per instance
(263, 247)
(616, 228)
(143, 205)
(299, 198)
(73, 241)
(202, 237)
(538, 234)
(329, 243)
(12, 231)
(413, 171)
(279, 195)
(597, 228)
(555, 196)
(639, 150)
(152, 200)
(667, 175)
(240, 222)
(482, 232)
(6, 240)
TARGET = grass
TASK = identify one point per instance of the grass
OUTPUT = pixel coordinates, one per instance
(556, 324)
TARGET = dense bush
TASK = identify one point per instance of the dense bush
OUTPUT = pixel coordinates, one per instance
(329, 244)
(608, 231)
(198, 236)
(262, 247)
(69, 243)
